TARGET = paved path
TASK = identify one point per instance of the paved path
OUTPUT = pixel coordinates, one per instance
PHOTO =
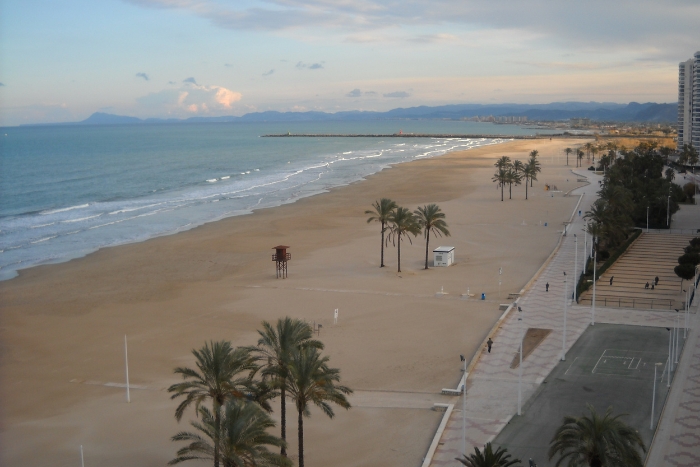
(492, 386)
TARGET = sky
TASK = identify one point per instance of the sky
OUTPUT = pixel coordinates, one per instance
(61, 61)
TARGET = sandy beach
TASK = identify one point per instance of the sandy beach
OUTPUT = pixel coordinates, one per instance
(396, 343)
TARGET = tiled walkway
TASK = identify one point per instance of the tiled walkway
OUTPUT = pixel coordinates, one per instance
(492, 386)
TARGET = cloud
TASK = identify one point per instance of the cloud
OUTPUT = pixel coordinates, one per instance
(268, 73)
(228, 65)
(665, 27)
(354, 93)
(190, 80)
(142, 75)
(191, 99)
(2, 84)
(313, 66)
(397, 94)
(172, 82)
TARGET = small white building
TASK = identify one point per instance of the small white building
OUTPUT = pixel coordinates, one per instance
(443, 256)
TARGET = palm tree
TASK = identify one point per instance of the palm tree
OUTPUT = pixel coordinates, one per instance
(500, 458)
(513, 177)
(535, 164)
(596, 441)
(568, 151)
(311, 381)
(382, 210)
(579, 154)
(275, 347)
(401, 223)
(431, 219)
(218, 379)
(238, 439)
(503, 162)
(501, 177)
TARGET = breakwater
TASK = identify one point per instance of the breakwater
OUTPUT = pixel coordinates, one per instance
(405, 135)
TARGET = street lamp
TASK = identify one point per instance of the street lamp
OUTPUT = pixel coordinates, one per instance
(670, 357)
(668, 209)
(575, 265)
(595, 260)
(520, 367)
(566, 300)
(653, 397)
(464, 405)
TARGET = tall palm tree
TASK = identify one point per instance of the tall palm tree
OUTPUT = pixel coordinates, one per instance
(274, 349)
(588, 147)
(489, 458)
(238, 439)
(311, 381)
(431, 219)
(535, 165)
(596, 441)
(382, 210)
(503, 162)
(401, 223)
(568, 151)
(501, 177)
(579, 155)
(223, 373)
(513, 177)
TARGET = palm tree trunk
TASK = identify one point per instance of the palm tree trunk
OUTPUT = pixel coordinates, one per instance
(217, 420)
(501, 191)
(427, 240)
(382, 265)
(283, 420)
(399, 242)
(525, 188)
(301, 439)
(510, 191)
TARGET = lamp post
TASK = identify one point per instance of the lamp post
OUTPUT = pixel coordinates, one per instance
(685, 315)
(647, 219)
(464, 405)
(653, 397)
(595, 260)
(520, 367)
(668, 209)
(585, 248)
(678, 326)
(566, 305)
(575, 266)
(670, 358)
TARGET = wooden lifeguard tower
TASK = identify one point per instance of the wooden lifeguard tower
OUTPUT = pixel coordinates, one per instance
(280, 258)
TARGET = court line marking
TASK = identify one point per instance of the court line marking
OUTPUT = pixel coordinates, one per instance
(570, 366)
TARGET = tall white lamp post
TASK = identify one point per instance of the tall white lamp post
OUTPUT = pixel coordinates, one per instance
(520, 367)
(595, 261)
(566, 306)
(575, 278)
(126, 362)
(82, 461)
(653, 397)
(670, 357)
(464, 405)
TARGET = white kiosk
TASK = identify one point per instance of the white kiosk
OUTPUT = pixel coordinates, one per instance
(443, 256)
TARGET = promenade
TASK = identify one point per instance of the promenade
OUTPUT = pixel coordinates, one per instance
(492, 383)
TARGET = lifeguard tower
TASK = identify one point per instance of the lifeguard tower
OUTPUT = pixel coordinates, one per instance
(280, 258)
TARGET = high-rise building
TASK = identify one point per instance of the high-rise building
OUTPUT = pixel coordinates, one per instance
(696, 101)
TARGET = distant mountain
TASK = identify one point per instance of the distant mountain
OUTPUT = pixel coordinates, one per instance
(555, 111)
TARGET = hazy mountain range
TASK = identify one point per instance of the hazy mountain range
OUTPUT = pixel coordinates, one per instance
(599, 111)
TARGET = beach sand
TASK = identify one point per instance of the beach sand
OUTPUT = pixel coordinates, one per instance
(396, 343)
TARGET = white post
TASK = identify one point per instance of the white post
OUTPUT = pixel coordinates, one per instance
(647, 219)
(335, 316)
(464, 409)
(653, 397)
(82, 461)
(126, 361)
(500, 271)
(685, 315)
(595, 258)
(566, 305)
(670, 349)
(520, 367)
(585, 249)
(678, 334)
(575, 265)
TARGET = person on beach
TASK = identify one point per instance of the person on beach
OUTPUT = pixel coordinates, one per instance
(489, 343)
(611, 279)
(546, 287)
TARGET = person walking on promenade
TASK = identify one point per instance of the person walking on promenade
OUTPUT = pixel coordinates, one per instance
(656, 280)
(646, 286)
(546, 287)
(611, 279)
(489, 343)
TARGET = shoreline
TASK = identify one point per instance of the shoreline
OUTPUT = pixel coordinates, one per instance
(396, 342)
(310, 189)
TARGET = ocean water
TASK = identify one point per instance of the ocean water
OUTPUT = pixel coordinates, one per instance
(66, 191)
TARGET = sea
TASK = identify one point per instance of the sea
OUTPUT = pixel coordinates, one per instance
(68, 190)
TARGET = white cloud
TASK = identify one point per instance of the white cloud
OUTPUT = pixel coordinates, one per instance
(190, 99)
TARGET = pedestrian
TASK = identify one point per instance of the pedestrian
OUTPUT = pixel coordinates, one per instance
(489, 343)
(646, 286)
(532, 463)
(652, 286)
(611, 279)
(546, 287)
(656, 280)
